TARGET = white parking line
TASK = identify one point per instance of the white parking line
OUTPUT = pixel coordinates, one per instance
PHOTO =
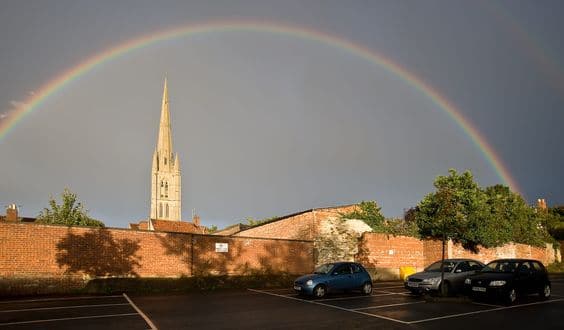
(67, 319)
(287, 289)
(55, 299)
(140, 312)
(390, 305)
(331, 306)
(387, 287)
(357, 297)
(484, 311)
(482, 304)
(59, 307)
(290, 294)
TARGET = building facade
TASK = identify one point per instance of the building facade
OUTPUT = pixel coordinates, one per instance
(166, 199)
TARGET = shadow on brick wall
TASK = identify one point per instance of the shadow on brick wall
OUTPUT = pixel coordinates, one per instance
(98, 253)
(243, 257)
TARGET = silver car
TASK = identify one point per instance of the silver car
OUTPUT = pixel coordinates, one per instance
(429, 280)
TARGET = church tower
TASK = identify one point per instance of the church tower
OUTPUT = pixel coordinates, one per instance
(165, 180)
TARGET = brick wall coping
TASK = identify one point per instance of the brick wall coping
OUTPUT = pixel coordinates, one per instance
(262, 238)
(153, 231)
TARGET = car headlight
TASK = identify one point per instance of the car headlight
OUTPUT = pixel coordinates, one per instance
(497, 283)
(467, 281)
(309, 283)
(432, 280)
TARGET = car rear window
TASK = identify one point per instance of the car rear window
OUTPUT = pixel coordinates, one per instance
(537, 266)
(356, 268)
(436, 267)
(505, 266)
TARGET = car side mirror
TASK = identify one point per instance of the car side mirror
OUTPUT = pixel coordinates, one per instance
(458, 271)
(334, 274)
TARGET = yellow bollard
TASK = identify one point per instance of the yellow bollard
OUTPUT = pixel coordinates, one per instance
(405, 271)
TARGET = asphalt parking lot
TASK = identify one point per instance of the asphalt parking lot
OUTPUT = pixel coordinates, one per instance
(389, 307)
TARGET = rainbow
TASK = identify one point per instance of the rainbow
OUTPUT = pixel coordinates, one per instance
(35, 100)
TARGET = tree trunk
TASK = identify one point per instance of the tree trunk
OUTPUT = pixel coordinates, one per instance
(442, 286)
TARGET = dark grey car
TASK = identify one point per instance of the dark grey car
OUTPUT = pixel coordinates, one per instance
(456, 271)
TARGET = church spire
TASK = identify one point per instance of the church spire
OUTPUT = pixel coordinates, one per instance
(164, 143)
(165, 179)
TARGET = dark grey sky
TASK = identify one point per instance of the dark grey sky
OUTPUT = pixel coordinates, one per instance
(266, 124)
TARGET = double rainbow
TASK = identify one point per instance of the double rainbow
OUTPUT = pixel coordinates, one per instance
(35, 100)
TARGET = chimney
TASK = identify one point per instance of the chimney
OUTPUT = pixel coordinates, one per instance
(12, 213)
(196, 220)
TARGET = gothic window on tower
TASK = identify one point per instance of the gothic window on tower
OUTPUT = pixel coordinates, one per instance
(166, 210)
(160, 210)
(166, 189)
(165, 160)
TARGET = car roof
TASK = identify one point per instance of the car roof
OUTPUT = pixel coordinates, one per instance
(516, 260)
(337, 263)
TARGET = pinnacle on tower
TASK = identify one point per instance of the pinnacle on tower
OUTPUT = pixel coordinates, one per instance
(164, 143)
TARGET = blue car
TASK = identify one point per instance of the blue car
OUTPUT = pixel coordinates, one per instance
(331, 277)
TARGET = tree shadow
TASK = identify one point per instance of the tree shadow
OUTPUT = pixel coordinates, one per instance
(97, 253)
(243, 257)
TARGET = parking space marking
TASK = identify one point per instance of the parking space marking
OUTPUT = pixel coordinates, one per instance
(286, 289)
(59, 307)
(55, 299)
(140, 312)
(387, 287)
(484, 311)
(357, 297)
(398, 293)
(390, 305)
(68, 319)
(331, 306)
(490, 305)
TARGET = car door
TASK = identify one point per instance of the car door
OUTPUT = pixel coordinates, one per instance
(525, 280)
(341, 278)
(539, 274)
(459, 274)
(358, 276)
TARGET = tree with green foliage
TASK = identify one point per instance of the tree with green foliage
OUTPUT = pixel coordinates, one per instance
(70, 212)
(369, 212)
(554, 222)
(254, 222)
(452, 212)
(212, 229)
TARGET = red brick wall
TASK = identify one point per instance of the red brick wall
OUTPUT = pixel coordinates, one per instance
(296, 227)
(59, 253)
(382, 251)
(301, 226)
(385, 254)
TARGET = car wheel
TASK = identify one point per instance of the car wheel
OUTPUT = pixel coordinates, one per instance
(367, 288)
(319, 291)
(545, 291)
(511, 296)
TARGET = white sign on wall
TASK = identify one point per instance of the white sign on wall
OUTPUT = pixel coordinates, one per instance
(221, 247)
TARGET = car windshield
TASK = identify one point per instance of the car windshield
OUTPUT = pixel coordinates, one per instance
(436, 267)
(501, 267)
(323, 269)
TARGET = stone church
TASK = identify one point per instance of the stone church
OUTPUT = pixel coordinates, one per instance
(166, 202)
